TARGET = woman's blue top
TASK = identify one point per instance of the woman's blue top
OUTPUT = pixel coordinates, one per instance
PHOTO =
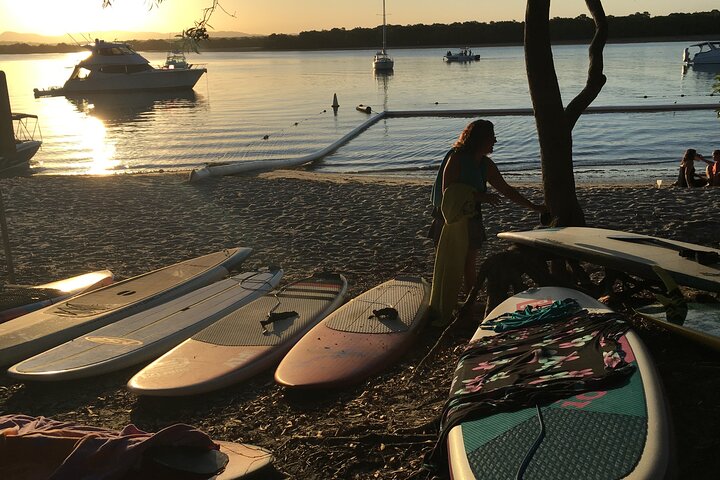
(470, 174)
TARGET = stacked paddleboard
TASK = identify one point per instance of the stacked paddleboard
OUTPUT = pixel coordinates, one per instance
(244, 343)
(38, 331)
(16, 300)
(689, 264)
(617, 433)
(702, 322)
(148, 334)
(359, 339)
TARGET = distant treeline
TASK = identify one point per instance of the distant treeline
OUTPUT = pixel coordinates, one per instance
(636, 26)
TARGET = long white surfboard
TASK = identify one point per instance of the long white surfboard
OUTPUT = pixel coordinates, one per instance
(22, 299)
(148, 334)
(689, 264)
(38, 331)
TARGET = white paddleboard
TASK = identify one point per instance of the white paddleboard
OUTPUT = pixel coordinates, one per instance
(239, 345)
(618, 433)
(628, 252)
(148, 334)
(702, 322)
(21, 299)
(38, 331)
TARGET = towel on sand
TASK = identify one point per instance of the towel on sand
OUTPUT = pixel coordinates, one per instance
(458, 205)
(38, 447)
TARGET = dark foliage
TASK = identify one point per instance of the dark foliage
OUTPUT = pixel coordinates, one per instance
(581, 28)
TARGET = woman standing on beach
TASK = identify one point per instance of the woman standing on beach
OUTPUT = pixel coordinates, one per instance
(466, 163)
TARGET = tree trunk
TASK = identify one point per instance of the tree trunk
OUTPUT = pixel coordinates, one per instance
(555, 123)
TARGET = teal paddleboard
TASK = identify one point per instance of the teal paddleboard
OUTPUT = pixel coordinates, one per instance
(618, 433)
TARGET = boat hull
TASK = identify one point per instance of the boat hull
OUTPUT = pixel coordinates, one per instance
(461, 58)
(156, 79)
(383, 65)
(19, 162)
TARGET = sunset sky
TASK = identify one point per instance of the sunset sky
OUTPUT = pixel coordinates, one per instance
(58, 17)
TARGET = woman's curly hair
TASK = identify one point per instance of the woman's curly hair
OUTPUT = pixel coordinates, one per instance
(475, 133)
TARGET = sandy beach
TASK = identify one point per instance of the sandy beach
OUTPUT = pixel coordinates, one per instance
(367, 228)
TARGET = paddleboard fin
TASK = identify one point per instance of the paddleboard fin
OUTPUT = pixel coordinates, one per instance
(674, 302)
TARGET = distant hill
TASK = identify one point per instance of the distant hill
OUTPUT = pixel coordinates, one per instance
(35, 39)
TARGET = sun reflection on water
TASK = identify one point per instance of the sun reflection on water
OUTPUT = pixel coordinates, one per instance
(101, 151)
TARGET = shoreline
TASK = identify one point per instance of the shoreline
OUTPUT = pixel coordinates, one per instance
(390, 179)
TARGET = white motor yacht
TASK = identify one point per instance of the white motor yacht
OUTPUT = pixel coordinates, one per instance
(116, 67)
(702, 53)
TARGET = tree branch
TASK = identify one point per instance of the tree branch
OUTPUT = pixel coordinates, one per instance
(596, 79)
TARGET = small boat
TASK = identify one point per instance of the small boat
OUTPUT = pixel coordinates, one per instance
(382, 62)
(702, 53)
(25, 127)
(464, 55)
(176, 60)
(116, 67)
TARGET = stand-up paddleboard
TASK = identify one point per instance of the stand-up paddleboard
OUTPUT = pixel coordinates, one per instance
(38, 331)
(617, 433)
(358, 339)
(244, 343)
(16, 300)
(689, 264)
(148, 334)
(702, 323)
(240, 461)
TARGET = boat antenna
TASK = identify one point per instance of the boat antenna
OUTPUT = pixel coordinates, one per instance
(73, 39)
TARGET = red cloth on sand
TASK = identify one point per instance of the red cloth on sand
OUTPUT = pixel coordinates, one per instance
(38, 447)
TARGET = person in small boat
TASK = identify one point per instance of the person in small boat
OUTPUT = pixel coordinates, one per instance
(712, 172)
(466, 163)
(687, 177)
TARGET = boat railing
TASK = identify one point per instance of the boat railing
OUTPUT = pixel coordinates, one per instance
(23, 133)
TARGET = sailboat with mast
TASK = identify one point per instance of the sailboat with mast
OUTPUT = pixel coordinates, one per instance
(382, 62)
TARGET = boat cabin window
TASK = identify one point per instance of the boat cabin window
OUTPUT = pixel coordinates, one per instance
(125, 68)
(116, 50)
(80, 73)
(707, 47)
(138, 68)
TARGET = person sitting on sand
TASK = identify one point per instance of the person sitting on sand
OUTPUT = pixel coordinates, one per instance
(467, 162)
(712, 172)
(687, 178)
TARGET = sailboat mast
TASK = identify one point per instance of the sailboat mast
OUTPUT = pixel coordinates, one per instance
(383, 50)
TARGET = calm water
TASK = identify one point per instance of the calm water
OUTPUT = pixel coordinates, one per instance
(286, 96)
